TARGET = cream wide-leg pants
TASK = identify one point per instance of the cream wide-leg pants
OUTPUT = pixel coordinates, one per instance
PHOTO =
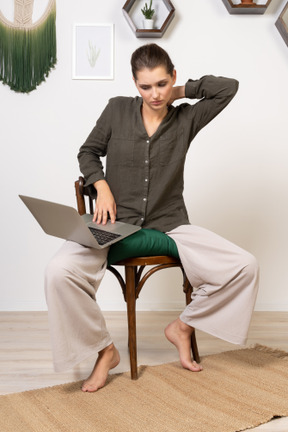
(225, 282)
(224, 278)
(76, 323)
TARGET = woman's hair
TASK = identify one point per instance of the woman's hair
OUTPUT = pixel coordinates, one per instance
(150, 56)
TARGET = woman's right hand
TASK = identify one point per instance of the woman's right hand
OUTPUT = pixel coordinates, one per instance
(105, 204)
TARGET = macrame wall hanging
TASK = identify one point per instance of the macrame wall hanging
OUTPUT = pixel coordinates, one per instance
(27, 50)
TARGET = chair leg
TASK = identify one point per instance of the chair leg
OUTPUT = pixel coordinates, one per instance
(194, 348)
(130, 273)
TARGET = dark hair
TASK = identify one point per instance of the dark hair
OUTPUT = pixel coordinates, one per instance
(150, 56)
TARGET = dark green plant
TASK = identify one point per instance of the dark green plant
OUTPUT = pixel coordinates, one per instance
(148, 12)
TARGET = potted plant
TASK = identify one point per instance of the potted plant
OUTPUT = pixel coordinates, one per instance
(148, 13)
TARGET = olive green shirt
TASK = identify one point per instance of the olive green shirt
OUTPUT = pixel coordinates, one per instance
(145, 174)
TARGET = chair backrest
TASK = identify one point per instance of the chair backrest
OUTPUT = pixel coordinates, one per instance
(82, 193)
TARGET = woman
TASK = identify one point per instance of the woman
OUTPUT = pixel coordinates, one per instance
(146, 140)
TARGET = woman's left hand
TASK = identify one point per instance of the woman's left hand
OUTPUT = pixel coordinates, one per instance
(178, 92)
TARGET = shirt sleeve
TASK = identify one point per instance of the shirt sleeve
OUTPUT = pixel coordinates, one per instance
(94, 148)
(214, 93)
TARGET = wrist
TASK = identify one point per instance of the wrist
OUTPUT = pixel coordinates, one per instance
(100, 185)
(179, 92)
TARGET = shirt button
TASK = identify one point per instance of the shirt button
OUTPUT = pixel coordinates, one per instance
(142, 219)
(147, 141)
(146, 161)
(144, 199)
(146, 180)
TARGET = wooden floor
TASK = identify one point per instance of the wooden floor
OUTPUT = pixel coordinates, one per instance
(26, 362)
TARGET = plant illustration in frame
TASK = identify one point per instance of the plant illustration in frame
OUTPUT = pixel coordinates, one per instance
(93, 51)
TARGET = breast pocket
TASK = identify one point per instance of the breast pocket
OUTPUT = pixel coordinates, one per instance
(120, 152)
(172, 148)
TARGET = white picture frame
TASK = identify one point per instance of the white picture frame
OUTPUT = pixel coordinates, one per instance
(93, 52)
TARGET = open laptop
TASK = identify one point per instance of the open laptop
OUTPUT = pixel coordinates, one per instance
(65, 222)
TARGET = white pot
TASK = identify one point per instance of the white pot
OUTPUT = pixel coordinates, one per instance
(148, 24)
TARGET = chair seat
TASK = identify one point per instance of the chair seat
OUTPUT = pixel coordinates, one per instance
(148, 260)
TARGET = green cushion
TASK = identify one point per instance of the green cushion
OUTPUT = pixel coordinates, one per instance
(146, 242)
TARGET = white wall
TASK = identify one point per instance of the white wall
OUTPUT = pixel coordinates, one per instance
(236, 172)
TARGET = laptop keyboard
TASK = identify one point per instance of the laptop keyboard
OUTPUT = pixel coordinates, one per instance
(103, 237)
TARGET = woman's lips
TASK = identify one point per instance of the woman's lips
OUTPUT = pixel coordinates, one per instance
(156, 103)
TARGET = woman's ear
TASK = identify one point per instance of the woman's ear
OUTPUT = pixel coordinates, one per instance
(174, 76)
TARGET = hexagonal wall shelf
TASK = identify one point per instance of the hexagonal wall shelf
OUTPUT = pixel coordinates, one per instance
(282, 24)
(164, 13)
(246, 8)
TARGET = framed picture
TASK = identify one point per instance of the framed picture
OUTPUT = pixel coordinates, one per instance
(93, 51)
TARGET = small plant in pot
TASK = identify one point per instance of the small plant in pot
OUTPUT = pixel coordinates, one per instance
(148, 13)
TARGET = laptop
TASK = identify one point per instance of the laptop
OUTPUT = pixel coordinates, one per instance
(65, 222)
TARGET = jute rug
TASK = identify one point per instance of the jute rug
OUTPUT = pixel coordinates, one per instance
(235, 391)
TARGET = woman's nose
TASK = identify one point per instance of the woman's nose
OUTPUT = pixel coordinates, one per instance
(155, 93)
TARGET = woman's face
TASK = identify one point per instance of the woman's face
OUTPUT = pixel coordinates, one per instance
(155, 86)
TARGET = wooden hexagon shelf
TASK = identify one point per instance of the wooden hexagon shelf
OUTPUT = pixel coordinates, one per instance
(246, 8)
(282, 24)
(164, 13)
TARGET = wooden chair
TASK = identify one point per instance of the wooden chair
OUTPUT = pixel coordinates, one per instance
(135, 280)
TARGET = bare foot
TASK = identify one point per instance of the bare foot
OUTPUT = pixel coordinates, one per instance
(179, 334)
(107, 359)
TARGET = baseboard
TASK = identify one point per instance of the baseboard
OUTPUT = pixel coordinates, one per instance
(118, 306)
(23, 306)
(271, 307)
(143, 306)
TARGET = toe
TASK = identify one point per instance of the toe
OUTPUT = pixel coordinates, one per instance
(196, 367)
